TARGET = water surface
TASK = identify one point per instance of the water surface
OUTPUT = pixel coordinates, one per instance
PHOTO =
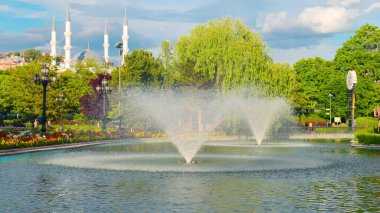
(226, 177)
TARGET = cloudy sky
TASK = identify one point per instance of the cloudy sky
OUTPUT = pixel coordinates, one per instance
(292, 29)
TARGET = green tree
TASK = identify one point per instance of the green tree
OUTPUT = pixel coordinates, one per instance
(32, 54)
(167, 55)
(316, 79)
(280, 80)
(362, 54)
(6, 102)
(140, 69)
(73, 86)
(19, 93)
(222, 54)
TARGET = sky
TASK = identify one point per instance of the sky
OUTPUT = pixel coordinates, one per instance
(291, 29)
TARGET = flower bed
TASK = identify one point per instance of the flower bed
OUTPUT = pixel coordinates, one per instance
(148, 134)
(22, 140)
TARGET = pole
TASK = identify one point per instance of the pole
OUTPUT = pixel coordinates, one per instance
(44, 117)
(104, 128)
(119, 104)
(330, 96)
(121, 60)
(353, 107)
(60, 117)
(330, 110)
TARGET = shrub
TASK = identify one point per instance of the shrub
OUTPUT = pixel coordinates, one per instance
(312, 118)
(372, 122)
(367, 136)
(30, 125)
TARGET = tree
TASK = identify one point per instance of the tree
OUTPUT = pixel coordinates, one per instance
(362, 54)
(73, 86)
(92, 104)
(167, 55)
(316, 79)
(140, 69)
(280, 80)
(222, 54)
(21, 95)
(32, 54)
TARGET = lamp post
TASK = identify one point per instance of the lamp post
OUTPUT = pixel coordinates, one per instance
(104, 89)
(119, 46)
(330, 96)
(351, 81)
(60, 99)
(44, 79)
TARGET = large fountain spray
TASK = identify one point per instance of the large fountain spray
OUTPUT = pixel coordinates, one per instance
(188, 117)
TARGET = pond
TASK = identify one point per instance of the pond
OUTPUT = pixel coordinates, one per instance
(225, 176)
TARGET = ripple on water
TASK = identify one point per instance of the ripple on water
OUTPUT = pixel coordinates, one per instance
(174, 163)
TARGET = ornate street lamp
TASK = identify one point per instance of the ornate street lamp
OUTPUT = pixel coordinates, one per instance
(44, 79)
(119, 46)
(104, 89)
(351, 81)
(60, 99)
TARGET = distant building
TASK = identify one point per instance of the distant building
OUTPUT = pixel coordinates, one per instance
(10, 61)
(69, 61)
(88, 54)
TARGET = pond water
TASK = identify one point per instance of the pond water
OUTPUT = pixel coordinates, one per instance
(229, 176)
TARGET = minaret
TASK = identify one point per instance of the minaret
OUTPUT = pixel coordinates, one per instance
(106, 44)
(53, 44)
(68, 40)
(125, 36)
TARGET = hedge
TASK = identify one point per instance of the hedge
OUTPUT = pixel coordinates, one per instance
(367, 136)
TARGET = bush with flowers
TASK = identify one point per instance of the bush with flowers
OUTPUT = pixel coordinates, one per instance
(14, 140)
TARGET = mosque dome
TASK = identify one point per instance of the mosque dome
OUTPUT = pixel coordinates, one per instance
(87, 54)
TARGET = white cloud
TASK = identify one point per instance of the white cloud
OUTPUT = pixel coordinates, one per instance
(372, 7)
(320, 20)
(5, 8)
(325, 20)
(343, 3)
(275, 21)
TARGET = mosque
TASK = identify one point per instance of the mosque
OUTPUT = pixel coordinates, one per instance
(70, 61)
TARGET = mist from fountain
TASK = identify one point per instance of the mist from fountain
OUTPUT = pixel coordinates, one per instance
(188, 117)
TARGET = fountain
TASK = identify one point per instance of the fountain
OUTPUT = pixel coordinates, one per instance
(179, 114)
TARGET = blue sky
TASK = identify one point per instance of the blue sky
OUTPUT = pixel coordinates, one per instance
(292, 29)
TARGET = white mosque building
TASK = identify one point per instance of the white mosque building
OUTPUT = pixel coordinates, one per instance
(70, 61)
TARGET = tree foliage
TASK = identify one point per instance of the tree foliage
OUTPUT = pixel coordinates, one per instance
(362, 54)
(92, 105)
(316, 79)
(167, 55)
(222, 54)
(140, 69)
(20, 95)
(226, 55)
(33, 55)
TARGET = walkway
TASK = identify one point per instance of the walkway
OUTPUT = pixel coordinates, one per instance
(52, 147)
